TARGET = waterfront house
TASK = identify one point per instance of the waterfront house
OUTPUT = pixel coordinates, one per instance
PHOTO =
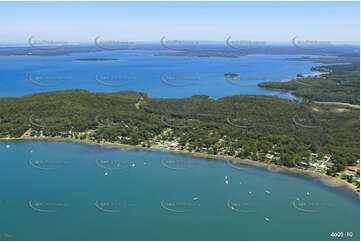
(350, 168)
(269, 156)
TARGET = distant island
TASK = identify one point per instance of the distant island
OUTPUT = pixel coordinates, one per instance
(232, 75)
(326, 59)
(96, 59)
(203, 53)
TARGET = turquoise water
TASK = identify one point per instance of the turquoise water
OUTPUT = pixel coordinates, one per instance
(59, 203)
(142, 71)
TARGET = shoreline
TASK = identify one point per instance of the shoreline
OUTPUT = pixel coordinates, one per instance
(293, 77)
(300, 99)
(324, 179)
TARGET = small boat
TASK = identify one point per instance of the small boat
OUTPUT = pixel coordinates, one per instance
(267, 219)
(226, 177)
(307, 193)
(31, 151)
(250, 193)
(195, 199)
(226, 181)
(133, 165)
(240, 182)
(106, 173)
(7, 146)
(268, 192)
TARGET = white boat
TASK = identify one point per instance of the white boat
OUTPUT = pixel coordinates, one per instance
(133, 165)
(249, 192)
(106, 173)
(307, 193)
(226, 181)
(195, 199)
(268, 192)
(267, 219)
(226, 177)
(7, 146)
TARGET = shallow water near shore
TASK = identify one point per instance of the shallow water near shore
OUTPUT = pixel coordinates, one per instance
(72, 191)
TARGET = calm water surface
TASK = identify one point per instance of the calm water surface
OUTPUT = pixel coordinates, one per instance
(70, 191)
(158, 76)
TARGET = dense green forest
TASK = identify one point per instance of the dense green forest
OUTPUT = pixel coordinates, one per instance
(340, 84)
(246, 126)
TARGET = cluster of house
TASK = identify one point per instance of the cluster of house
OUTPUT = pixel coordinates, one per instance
(351, 171)
(273, 157)
(168, 144)
(318, 163)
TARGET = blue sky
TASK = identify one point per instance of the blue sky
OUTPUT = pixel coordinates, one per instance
(149, 21)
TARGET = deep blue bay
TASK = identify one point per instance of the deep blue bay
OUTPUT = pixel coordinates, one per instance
(140, 70)
(147, 200)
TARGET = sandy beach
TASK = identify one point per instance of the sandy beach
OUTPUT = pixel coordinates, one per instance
(327, 180)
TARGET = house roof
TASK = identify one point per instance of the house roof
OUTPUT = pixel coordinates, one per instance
(351, 168)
